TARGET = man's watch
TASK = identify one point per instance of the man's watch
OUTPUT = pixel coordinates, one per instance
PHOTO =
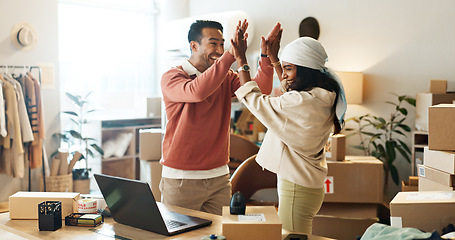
(244, 67)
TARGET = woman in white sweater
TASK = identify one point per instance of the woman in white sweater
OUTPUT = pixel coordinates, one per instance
(298, 123)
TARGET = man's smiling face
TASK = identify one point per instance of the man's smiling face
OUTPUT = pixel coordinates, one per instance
(210, 48)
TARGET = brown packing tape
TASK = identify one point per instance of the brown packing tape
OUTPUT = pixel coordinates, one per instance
(73, 161)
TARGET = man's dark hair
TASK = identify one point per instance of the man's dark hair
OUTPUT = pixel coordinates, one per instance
(195, 33)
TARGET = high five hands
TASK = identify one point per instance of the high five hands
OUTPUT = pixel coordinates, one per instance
(270, 45)
(239, 42)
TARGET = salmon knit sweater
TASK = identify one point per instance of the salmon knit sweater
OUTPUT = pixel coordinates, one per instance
(198, 111)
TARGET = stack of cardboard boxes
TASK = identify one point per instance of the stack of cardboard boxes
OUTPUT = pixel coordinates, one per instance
(438, 169)
(437, 172)
(432, 207)
(437, 95)
(353, 199)
(150, 154)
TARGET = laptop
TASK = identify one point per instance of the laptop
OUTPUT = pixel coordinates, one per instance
(131, 202)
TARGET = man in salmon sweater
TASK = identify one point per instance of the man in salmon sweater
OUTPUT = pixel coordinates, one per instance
(197, 97)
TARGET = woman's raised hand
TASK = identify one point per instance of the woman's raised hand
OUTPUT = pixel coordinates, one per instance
(272, 41)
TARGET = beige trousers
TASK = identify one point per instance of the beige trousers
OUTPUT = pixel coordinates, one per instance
(298, 205)
(207, 195)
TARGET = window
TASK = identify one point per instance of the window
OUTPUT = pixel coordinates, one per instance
(108, 47)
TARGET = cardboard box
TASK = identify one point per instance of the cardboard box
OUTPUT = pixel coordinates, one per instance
(150, 143)
(151, 172)
(441, 128)
(413, 180)
(235, 227)
(336, 148)
(424, 101)
(24, 205)
(435, 175)
(428, 185)
(426, 211)
(438, 86)
(440, 160)
(411, 185)
(344, 220)
(358, 179)
(154, 107)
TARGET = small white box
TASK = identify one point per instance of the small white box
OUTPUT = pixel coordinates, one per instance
(426, 184)
(440, 160)
(436, 175)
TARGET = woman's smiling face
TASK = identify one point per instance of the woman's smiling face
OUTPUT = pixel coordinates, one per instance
(289, 73)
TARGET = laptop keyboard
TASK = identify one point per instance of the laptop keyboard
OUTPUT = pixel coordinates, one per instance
(170, 224)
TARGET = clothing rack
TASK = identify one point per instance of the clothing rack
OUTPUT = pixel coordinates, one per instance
(30, 68)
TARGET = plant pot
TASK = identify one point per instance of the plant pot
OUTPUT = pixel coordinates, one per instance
(81, 186)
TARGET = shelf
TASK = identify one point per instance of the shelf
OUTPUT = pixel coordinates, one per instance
(420, 146)
(419, 142)
(120, 141)
(119, 158)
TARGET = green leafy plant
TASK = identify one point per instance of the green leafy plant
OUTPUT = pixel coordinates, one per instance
(75, 138)
(380, 137)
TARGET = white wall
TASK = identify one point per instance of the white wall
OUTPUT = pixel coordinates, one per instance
(398, 45)
(42, 15)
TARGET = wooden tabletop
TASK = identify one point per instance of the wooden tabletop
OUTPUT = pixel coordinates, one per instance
(28, 229)
(4, 207)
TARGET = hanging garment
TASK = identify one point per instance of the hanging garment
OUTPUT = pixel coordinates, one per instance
(18, 159)
(35, 113)
(12, 114)
(13, 152)
(26, 129)
(3, 131)
(14, 162)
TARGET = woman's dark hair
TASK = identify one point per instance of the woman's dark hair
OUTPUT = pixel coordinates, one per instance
(308, 78)
(195, 33)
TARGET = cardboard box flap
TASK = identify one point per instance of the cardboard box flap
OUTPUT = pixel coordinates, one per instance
(443, 105)
(424, 197)
(363, 159)
(349, 210)
(344, 220)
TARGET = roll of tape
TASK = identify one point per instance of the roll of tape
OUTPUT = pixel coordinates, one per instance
(88, 206)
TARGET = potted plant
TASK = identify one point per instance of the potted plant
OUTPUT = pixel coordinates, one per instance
(77, 141)
(381, 138)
